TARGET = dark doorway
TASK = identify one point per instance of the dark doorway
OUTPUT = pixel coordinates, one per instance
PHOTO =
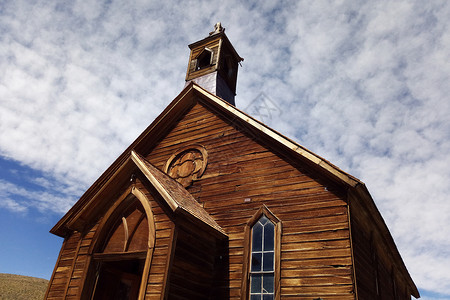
(118, 280)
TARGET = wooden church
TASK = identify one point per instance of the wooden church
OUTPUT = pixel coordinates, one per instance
(210, 203)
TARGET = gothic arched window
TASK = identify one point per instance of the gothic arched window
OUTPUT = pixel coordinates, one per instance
(262, 266)
(261, 280)
(121, 251)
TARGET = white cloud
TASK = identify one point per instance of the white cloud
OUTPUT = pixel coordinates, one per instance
(12, 205)
(364, 84)
(20, 199)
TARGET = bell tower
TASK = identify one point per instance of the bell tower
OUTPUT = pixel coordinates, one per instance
(213, 64)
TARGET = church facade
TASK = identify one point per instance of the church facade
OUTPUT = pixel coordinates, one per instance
(210, 203)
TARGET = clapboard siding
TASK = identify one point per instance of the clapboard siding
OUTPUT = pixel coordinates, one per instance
(199, 266)
(244, 174)
(364, 263)
(376, 276)
(64, 267)
(164, 229)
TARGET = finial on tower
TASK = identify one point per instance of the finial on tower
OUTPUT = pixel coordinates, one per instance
(217, 29)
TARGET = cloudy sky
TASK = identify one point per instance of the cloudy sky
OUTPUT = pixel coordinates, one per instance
(364, 84)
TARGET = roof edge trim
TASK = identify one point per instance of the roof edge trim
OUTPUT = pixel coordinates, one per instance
(71, 217)
(348, 179)
(141, 165)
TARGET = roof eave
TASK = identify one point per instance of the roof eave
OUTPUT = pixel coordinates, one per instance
(73, 219)
(90, 193)
(333, 170)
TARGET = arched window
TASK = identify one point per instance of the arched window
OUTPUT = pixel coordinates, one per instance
(261, 280)
(262, 267)
(121, 251)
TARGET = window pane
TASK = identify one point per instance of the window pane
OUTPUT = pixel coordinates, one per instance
(263, 219)
(268, 236)
(256, 262)
(267, 297)
(255, 283)
(268, 283)
(268, 262)
(255, 297)
(257, 237)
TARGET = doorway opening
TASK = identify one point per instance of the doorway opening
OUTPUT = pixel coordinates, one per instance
(118, 280)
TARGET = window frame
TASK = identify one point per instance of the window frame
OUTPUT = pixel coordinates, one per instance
(200, 64)
(246, 271)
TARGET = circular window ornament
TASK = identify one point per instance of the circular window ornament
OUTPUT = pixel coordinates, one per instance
(187, 164)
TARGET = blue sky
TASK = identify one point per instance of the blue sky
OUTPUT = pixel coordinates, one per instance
(364, 84)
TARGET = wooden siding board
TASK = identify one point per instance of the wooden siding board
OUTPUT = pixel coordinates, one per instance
(195, 272)
(63, 268)
(370, 262)
(364, 219)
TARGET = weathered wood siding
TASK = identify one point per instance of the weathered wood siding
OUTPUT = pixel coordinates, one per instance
(165, 231)
(80, 267)
(198, 266)
(63, 268)
(364, 264)
(241, 176)
(376, 275)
